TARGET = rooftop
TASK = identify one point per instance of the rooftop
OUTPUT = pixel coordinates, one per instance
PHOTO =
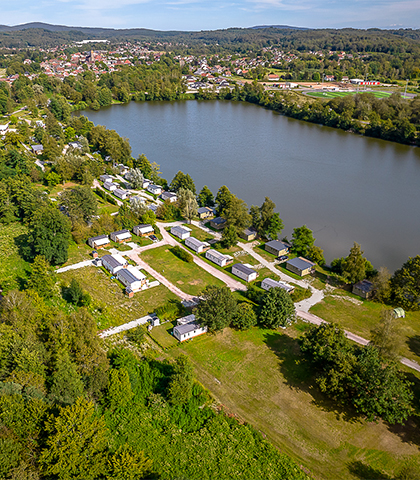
(243, 268)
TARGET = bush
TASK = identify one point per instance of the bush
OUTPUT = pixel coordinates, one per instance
(300, 294)
(136, 335)
(171, 310)
(182, 254)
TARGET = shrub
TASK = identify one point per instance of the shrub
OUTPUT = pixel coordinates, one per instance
(182, 254)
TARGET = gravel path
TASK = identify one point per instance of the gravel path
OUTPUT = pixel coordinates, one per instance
(126, 326)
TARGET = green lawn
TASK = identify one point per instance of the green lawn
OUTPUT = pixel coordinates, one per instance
(13, 268)
(199, 233)
(325, 94)
(111, 306)
(360, 317)
(162, 335)
(188, 277)
(258, 375)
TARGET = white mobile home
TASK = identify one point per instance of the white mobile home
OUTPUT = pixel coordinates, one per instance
(110, 186)
(121, 236)
(218, 258)
(101, 241)
(131, 280)
(196, 245)
(120, 193)
(172, 197)
(113, 263)
(155, 189)
(244, 271)
(181, 232)
(190, 329)
(268, 283)
(143, 230)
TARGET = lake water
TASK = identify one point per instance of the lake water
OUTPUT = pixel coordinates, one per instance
(343, 186)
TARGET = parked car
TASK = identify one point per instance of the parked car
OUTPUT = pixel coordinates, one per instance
(153, 238)
(282, 258)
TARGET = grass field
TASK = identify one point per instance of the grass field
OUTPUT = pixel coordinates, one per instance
(13, 268)
(323, 94)
(258, 375)
(162, 335)
(112, 306)
(360, 316)
(188, 277)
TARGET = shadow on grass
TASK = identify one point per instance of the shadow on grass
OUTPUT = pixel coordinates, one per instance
(24, 248)
(365, 472)
(414, 344)
(299, 376)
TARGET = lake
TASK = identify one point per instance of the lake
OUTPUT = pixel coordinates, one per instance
(343, 186)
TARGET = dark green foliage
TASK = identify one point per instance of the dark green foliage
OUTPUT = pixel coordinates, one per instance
(136, 335)
(353, 267)
(316, 254)
(302, 240)
(223, 199)
(229, 236)
(217, 307)
(105, 196)
(80, 203)
(76, 295)
(66, 383)
(182, 254)
(276, 308)
(205, 198)
(245, 317)
(405, 285)
(181, 384)
(42, 278)
(182, 180)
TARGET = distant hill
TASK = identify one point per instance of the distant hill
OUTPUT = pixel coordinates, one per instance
(283, 27)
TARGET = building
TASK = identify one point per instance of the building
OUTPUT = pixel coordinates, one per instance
(277, 248)
(204, 212)
(181, 232)
(218, 258)
(218, 223)
(268, 283)
(4, 129)
(301, 266)
(363, 289)
(122, 194)
(130, 280)
(146, 183)
(143, 230)
(114, 263)
(196, 244)
(121, 236)
(249, 234)
(110, 186)
(106, 178)
(169, 196)
(155, 189)
(101, 241)
(244, 271)
(188, 328)
(37, 149)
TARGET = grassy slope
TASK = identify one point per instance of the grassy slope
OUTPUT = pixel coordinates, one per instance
(258, 375)
(13, 269)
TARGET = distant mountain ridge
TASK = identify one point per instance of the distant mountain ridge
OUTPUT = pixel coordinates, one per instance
(283, 27)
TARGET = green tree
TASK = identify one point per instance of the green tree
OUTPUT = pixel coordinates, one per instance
(223, 199)
(76, 444)
(119, 392)
(245, 317)
(382, 285)
(49, 235)
(42, 278)
(274, 227)
(354, 265)
(302, 240)
(143, 164)
(276, 308)
(136, 178)
(66, 383)
(52, 179)
(216, 308)
(236, 214)
(205, 198)
(405, 284)
(187, 203)
(80, 203)
(182, 381)
(128, 464)
(270, 223)
(76, 295)
(229, 236)
(386, 336)
(182, 181)
(316, 254)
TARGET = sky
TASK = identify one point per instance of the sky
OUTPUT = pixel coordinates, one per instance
(213, 14)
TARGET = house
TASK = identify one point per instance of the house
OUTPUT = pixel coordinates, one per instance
(204, 212)
(75, 145)
(249, 234)
(106, 178)
(4, 129)
(244, 271)
(122, 194)
(101, 241)
(146, 183)
(153, 207)
(155, 189)
(218, 258)
(136, 200)
(196, 245)
(276, 247)
(37, 149)
(301, 266)
(130, 280)
(110, 186)
(143, 230)
(181, 232)
(121, 236)
(363, 289)
(113, 263)
(272, 77)
(170, 196)
(218, 223)
(188, 328)
(268, 283)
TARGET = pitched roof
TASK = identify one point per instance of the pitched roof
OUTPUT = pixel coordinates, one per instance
(243, 268)
(187, 327)
(127, 275)
(300, 263)
(277, 245)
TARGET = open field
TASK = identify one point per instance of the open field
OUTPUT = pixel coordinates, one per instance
(188, 277)
(258, 375)
(111, 306)
(360, 316)
(13, 268)
(162, 335)
(323, 94)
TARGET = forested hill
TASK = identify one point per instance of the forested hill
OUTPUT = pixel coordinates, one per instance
(237, 39)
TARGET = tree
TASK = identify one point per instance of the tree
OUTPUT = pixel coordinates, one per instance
(182, 381)
(274, 227)
(354, 265)
(316, 254)
(216, 308)
(245, 317)
(276, 308)
(143, 164)
(229, 236)
(268, 223)
(405, 285)
(302, 240)
(128, 464)
(205, 198)
(66, 383)
(119, 392)
(236, 214)
(386, 336)
(182, 181)
(49, 235)
(136, 178)
(76, 444)
(80, 203)
(187, 203)
(223, 199)
(76, 295)
(382, 285)
(42, 278)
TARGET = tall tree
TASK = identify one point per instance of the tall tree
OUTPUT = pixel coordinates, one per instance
(66, 383)
(386, 336)
(236, 214)
(80, 203)
(302, 240)
(216, 308)
(405, 284)
(382, 285)
(354, 265)
(223, 199)
(187, 203)
(128, 464)
(245, 316)
(180, 386)
(276, 308)
(229, 236)
(205, 198)
(136, 178)
(182, 181)
(42, 278)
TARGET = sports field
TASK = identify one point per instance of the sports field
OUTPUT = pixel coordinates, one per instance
(343, 94)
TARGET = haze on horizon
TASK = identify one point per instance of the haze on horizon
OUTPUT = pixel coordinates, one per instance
(214, 14)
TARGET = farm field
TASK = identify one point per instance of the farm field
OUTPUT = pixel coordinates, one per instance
(258, 375)
(344, 94)
(188, 277)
